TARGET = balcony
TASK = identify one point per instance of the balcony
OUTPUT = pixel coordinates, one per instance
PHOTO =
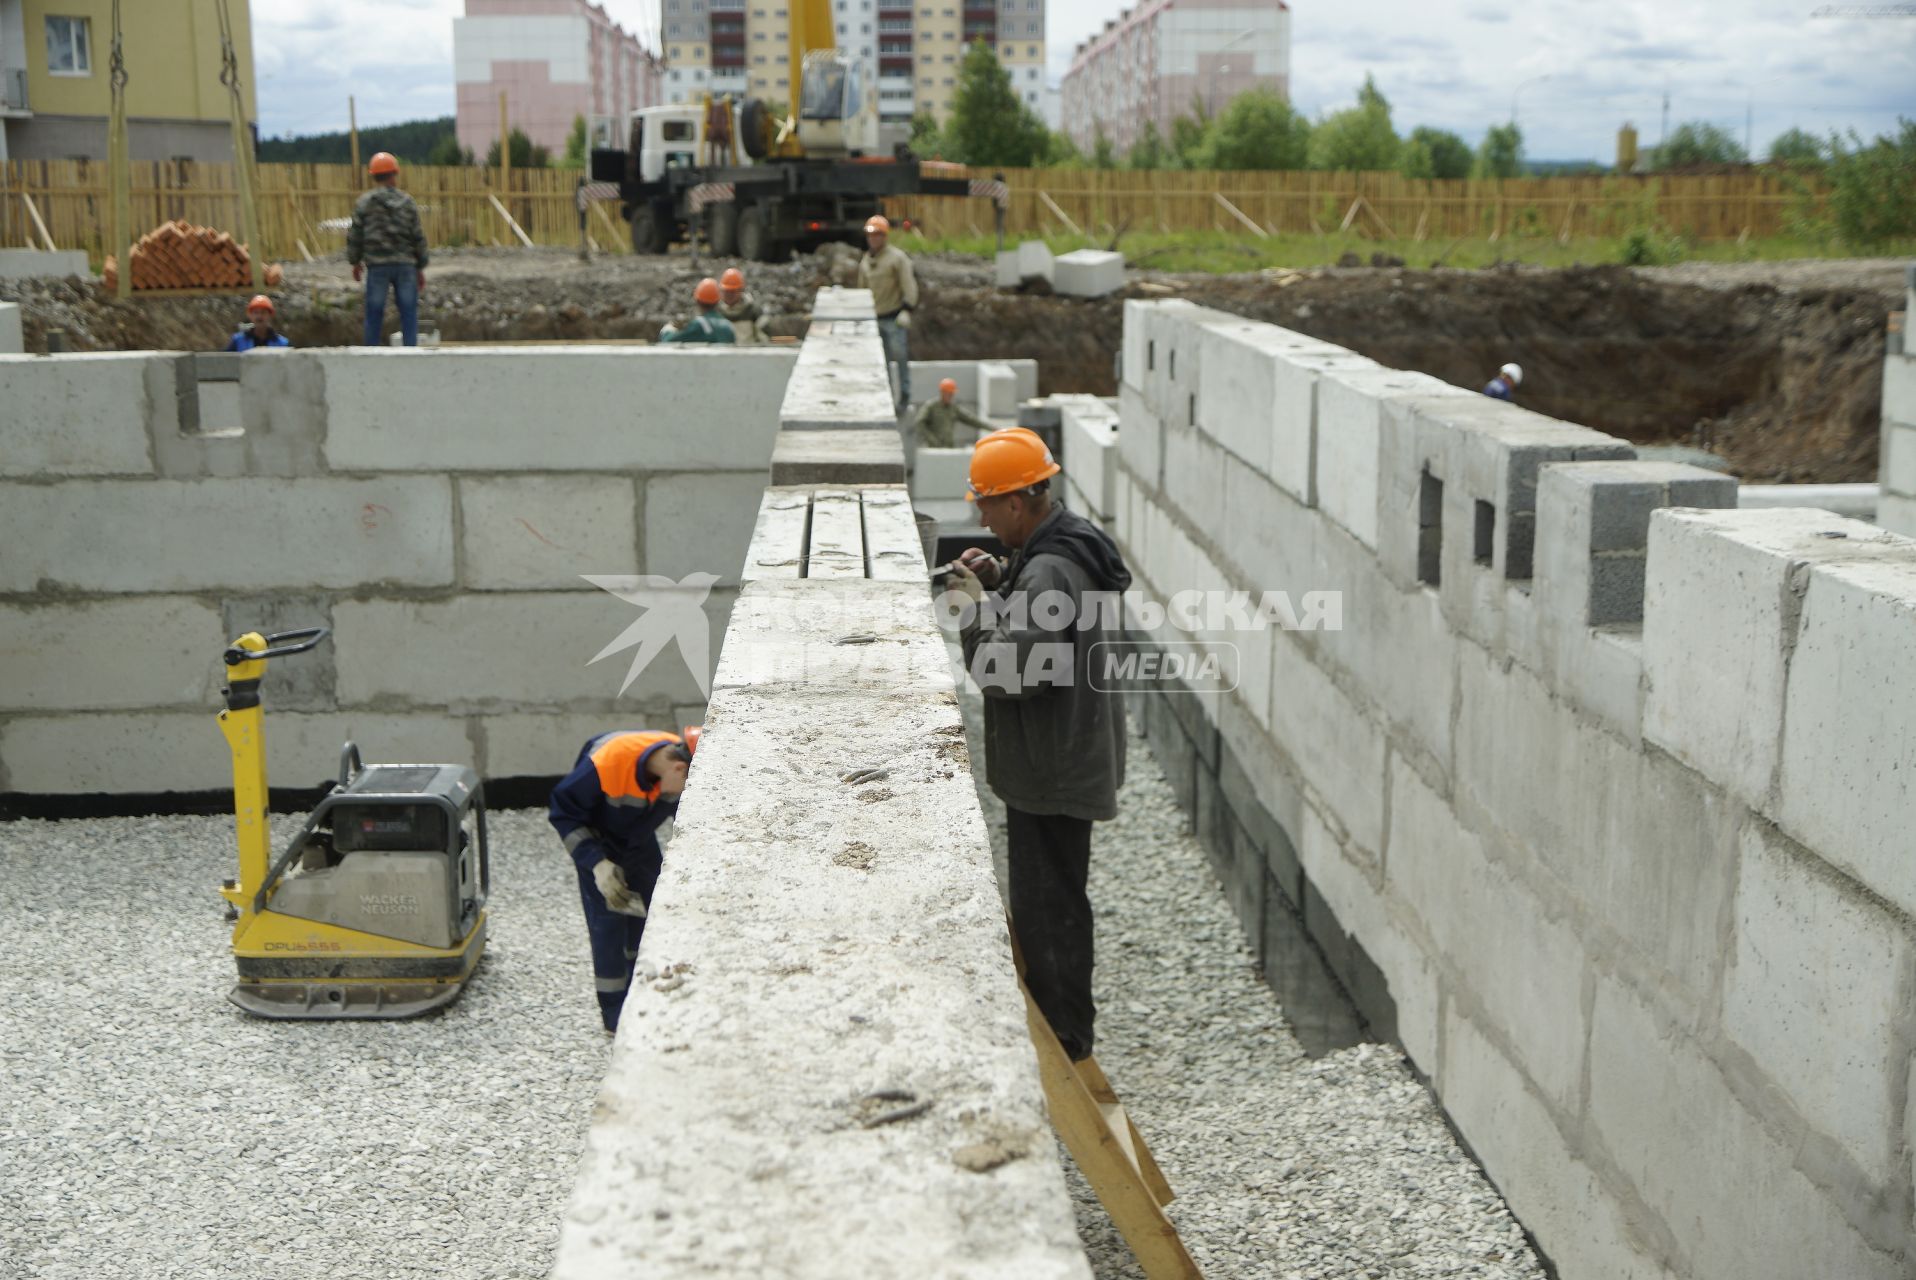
(13, 89)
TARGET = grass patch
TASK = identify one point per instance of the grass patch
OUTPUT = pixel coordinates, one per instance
(1224, 251)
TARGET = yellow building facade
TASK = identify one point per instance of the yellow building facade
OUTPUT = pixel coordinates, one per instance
(54, 89)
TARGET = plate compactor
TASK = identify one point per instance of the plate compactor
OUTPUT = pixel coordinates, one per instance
(376, 909)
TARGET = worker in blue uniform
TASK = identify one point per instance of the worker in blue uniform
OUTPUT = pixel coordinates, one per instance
(608, 810)
(259, 330)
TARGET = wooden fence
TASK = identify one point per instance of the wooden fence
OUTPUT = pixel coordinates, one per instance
(303, 208)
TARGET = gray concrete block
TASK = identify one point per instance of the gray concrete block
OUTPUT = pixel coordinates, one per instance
(1899, 459)
(1344, 759)
(1660, 1108)
(546, 744)
(79, 656)
(217, 366)
(525, 409)
(1857, 501)
(1034, 260)
(1140, 437)
(941, 474)
(1846, 782)
(1899, 388)
(27, 264)
(1897, 513)
(544, 531)
(1349, 440)
(1007, 274)
(1088, 273)
(997, 390)
(78, 415)
(700, 523)
(1802, 933)
(1089, 427)
(13, 340)
(99, 535)
(852, 456)
(926, 375)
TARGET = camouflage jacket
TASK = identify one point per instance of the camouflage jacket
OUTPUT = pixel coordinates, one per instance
(937, 423)
(386, 229)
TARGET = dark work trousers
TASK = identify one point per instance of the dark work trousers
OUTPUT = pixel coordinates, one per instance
(1050, 858)
(615, 935)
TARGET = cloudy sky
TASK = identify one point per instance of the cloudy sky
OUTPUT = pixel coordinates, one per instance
(1577, 70)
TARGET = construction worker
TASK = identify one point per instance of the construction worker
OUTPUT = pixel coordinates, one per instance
(886, 271)
(737, 305)
(608, 810)
(259, 330)
(1505, 384)
(1054, 742)
(709, 325)
(938, 420)
(387, 246)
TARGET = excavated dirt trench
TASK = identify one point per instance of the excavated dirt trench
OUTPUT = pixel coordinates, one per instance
(1784, 382)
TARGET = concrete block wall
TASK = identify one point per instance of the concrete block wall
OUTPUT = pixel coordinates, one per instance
(1597, 802)
(436, 510)
(1896, 507)
(12, 333)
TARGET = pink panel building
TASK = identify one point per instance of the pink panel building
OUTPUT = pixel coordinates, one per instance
(554, 59)
(1152, 61)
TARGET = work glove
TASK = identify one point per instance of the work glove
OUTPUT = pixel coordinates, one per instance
(613, 889)
(667, 331)
(981, 563)
(966, 583)
(904, 318)
(359, 272)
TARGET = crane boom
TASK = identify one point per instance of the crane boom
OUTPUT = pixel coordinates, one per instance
(810, 30)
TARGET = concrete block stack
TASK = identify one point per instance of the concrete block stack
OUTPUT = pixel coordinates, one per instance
(1896, 507)
(1594, 795)
(1088, 273)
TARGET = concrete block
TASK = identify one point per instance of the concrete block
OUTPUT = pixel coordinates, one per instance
(1172, 353)
(1526, 971)
(926, 375)
(1646, 846)
(542, 745)
(1846, 784)
(81, 415)
(522, 532)
(700, 523)
(1088, 273)
(1025, 374)
(28, 264)
(1897, 513)
(941, 474)
(1034, 260)
(100, 535)
(1559, 1199)
(79, 656)
(1193, 477)
(1722, 606)
(1339, 750)
(1802, 934)
(1007, 273)
(1857, 501)
(1899, 459)
(13, 340)
(1244, 408)
(1140, 437)
(1349, 431)
(1663, 1111)
(283, 409)
(851, 456)
(133, 752)
(537, 409)
(997, 390)
(1090, 429)
(382, 661)
(1899, 388)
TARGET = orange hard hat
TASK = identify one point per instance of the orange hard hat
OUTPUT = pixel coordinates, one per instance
(877, 223)
(382, 162)
(732, 279)
(261, 302)
(691, 734)
(707, 292)
(948, 384)
(1008, 460)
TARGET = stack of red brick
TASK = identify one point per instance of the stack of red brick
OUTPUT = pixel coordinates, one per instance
(179, 255)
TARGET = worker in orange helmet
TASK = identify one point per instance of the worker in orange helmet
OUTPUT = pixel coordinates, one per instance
(1054, 731)
(387, 246)
(938, 420)
(709, 325)
(259, 331)
(886, 271)
(608, 811)
(737, 305)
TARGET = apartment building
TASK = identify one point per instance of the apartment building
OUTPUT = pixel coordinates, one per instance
(1151, 62)
(554, 60)
(910, 48)
(54, 93)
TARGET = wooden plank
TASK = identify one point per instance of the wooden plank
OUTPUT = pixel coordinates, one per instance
(34, 213)
(1105, 1096)
(1238, 213)
(778, 539)
(891, 535)
(836, 547)
(517, 230)
(1060, 214)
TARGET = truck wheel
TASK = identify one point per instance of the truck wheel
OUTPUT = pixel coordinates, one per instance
(754, 234)
(722, 228)
(648, 234)
(754, 127)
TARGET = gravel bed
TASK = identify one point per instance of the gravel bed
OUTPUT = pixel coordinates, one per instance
(152, 1129)
(1284, 1166)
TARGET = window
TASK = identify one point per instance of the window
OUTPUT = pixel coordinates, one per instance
(69, 48)
(675, 53)
(865, 28)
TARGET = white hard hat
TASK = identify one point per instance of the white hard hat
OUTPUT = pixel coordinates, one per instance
(1514, 373)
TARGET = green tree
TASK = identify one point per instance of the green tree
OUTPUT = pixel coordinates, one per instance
(1060, 152)
(1358, 138)
(927, 143)
(1449, 154)
(1873, 186)
(988, 125)
(525, 153)
(1797, 146)
(575, 146)
(413, 141)
(1103, 154)
(447, 151)
(1501, 155)
(1256, 130)
(1699, 142)
(1148, 151)
(1190, 136)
